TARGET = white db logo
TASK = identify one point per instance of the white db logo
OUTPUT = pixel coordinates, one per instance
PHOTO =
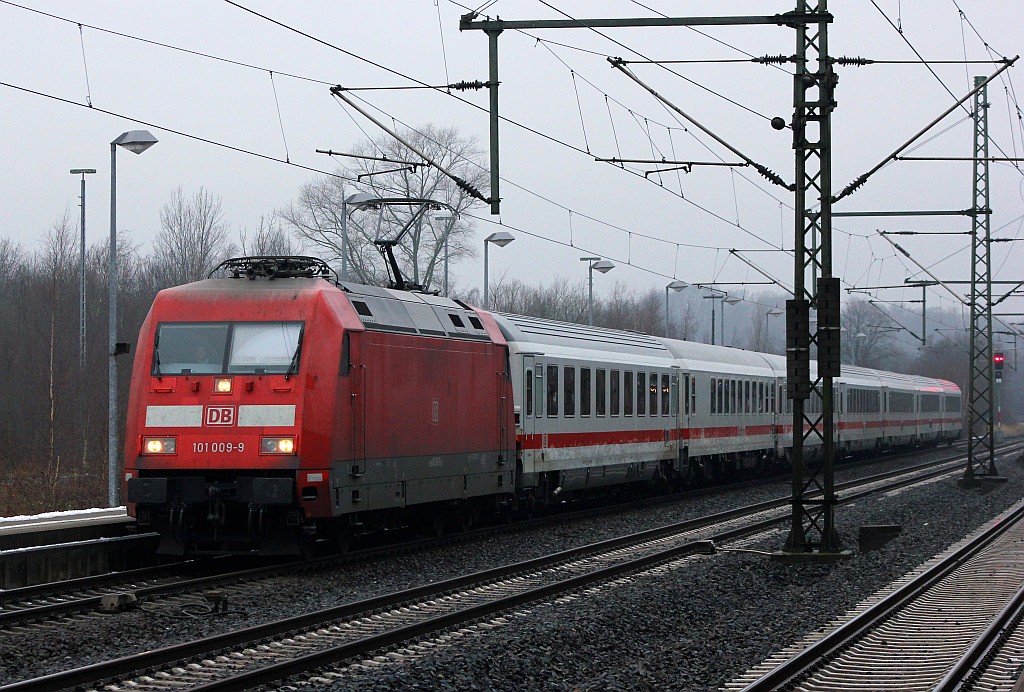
(220, 415)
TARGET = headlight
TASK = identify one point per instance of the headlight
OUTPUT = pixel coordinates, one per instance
(277, 445)
(222, 385)
(159, 445)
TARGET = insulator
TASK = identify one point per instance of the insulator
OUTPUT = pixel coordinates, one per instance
(465, 86)
(772, 59)
(845, 60)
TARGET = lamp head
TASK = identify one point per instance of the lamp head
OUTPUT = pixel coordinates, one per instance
(136, 141)
(603, 266)
(500, 238)
(677, 285)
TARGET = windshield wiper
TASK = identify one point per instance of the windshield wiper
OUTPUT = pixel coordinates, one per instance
(156, 358)
(294, 365)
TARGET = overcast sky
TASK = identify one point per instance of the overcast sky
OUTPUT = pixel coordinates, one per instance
(555, 82)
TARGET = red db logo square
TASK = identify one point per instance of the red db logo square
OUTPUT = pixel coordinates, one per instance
(220, 415)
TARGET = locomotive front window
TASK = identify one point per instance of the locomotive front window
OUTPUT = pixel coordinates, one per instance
(271, 347)
(217, 348)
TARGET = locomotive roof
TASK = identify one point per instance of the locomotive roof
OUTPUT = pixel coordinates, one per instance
(391, 310)
(241, 286)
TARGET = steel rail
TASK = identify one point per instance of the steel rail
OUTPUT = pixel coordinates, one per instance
(805, 662)
(975, 658)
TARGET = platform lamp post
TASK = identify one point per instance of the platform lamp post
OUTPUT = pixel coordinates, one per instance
(731, 300)
(355, 200)
(716, 294)
(674, 286)
(501, 239)
(601, 265)
(135, 141)
(81, 270)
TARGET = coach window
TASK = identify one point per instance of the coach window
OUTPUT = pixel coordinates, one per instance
(585, 392)
(653, 389)
(529, 391)
(693, 395)
(616, 398)
(641, 393)
(748, 400)
(686, 394)
(602, 391)
(627, 389)
(552, 386)
(665, 395)
(569, 389)
(714, 397)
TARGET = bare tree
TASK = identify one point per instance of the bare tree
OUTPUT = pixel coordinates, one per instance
(684, 320)
(270, 239)
(193, 238)
(864, 341)
(316, 216)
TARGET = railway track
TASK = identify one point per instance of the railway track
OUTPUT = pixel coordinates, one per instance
(361, 630)
(955, 623)
(111, 591)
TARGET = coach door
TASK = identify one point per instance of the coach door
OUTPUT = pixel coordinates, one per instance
(528, 413)
(672, 437)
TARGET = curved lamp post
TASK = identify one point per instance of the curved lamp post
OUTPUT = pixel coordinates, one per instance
(501, 239)
(601, 265)
(731, 300)
(135, 141)
(674, 286)
(772, 312)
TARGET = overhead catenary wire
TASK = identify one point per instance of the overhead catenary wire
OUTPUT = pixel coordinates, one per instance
(310, 168)
(681, 195)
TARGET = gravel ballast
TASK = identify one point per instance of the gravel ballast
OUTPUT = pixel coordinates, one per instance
(689, 628)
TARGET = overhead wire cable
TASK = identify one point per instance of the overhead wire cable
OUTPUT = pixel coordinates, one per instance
(444, 53)
(636, 52)
(959, 103)
(85, 66)
(325, 82)
(706, 35)
(180, 133)
(280, 120)
(160, 44)
(578, 213)
(416, 81)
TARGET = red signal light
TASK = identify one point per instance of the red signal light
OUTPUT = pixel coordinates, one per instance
(998, 358)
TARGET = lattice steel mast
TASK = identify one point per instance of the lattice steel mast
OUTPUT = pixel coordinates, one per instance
(981, 439)
(812, 529)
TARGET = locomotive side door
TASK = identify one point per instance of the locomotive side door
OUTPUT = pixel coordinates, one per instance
(357, 399)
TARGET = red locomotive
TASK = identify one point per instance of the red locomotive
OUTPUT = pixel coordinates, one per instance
(260, 402)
